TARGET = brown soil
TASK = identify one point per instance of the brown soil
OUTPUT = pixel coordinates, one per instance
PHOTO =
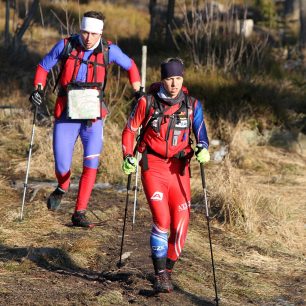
(45, 261)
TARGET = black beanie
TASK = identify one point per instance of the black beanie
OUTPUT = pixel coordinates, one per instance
(172, 68)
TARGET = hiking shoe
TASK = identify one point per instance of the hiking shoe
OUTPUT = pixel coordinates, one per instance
(79, 219)
(55, 198)
(162, 283)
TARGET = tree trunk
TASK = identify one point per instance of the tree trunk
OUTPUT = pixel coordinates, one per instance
(303, 23)
(292, 7)
(26, 22)
(152, 10)
(292, 20)
(170, 16)
(7, 23)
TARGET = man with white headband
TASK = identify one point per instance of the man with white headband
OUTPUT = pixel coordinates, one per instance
(84, 59)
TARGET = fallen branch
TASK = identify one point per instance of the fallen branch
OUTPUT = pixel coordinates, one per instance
(38, 185)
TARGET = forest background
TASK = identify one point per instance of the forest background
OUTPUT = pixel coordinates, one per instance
(245, 60)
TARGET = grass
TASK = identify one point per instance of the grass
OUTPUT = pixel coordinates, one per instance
(242, 203)
(113, 297)
(42, 164)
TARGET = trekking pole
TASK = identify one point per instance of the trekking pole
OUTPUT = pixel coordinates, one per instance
(28, 163)
(135, 192)
(209, 235)
(143, 87)
(128, 187)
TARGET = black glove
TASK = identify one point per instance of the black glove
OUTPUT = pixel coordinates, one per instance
(37, 97)
(138, 94)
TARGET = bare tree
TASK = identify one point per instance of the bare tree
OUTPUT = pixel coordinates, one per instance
(7, 22)
(213, 41)
(26, 23)
(303, 23)
(170, 16)
(152, 10)
(292, 8)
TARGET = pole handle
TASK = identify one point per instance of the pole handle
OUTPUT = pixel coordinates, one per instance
(128, 186)
(203, 175)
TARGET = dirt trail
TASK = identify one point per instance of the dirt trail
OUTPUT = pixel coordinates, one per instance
(39, 256)
(45, 261)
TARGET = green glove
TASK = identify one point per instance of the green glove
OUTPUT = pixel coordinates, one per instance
(202, 154)
(129, 164)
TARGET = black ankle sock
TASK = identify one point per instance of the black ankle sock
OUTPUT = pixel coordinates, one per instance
(170, 264)
(159, 264)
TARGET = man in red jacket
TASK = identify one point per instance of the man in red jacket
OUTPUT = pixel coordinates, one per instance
(80, 110)
(167, 116)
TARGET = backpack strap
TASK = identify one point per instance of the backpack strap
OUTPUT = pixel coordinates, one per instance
(190, 102)
(105, 51)
(71, 43)
(147, 120)
(150, 101)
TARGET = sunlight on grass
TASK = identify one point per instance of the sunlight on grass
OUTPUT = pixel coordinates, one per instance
(237, 204)
(113, 297)
(132, 22)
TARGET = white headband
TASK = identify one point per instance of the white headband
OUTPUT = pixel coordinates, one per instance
(92, 25)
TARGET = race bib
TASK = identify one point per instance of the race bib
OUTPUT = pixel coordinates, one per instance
(83, 103)
(182, 124)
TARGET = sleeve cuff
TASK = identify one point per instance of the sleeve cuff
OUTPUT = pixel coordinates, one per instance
(40, 76)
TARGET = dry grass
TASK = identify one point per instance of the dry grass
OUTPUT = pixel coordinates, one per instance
(256, 191)
(42, 161)
(132, 22)
(234, 196)
(240, 204)
(113, 297)
(239, 266)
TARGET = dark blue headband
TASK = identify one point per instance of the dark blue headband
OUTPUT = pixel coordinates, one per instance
(170, 69)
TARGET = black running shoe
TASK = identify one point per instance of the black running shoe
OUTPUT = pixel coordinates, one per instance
(79, 219)
(55, 198)
(162, 283)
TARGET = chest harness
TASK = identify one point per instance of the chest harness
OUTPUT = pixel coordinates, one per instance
(73, 44)
(166, 132)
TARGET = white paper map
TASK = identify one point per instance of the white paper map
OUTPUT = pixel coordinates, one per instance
(84, 104)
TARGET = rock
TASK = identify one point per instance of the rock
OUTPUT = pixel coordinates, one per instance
(126, 255)
(219, 155)
(250, 137)
(245, 27)
(215, 142)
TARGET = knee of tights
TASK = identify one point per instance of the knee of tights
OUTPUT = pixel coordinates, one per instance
(91, 162)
